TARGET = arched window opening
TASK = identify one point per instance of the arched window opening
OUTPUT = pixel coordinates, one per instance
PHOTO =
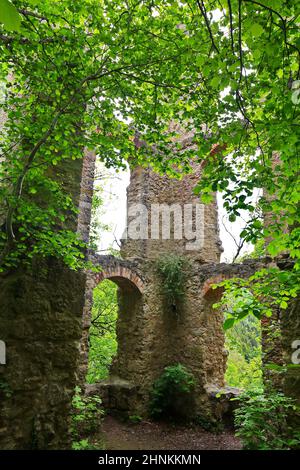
(243, 345)
(241, 366)
(117, 303)
(102, 335)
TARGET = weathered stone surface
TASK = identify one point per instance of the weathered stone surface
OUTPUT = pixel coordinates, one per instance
(46, 309)
(223, 400)
(150, 335)
(40, 318)
(291, 333)
(86, 194)
(117, 394)
(148, 188)
(41, 323)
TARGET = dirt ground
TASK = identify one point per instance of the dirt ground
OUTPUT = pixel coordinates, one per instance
(148, 435)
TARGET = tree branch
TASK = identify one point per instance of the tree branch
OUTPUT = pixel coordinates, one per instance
(204, 14)
(231, 25)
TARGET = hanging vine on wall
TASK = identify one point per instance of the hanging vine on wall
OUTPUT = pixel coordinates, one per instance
(172, 269)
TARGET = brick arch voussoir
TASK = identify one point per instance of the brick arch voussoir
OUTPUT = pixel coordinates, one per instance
(214, 294)
(242, 270)
(120, 274)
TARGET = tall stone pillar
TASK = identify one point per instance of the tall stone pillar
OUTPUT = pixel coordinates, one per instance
(41, 322)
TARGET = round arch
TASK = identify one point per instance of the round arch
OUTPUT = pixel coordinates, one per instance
(213, 294)
(122, 276)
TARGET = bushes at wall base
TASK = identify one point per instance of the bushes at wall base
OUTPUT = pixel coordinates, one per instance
(265, 421)
(171, 397)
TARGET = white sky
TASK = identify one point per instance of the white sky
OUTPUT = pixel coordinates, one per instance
(114, 215)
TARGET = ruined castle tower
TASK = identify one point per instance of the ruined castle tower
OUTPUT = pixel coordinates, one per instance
(173, 219)
(164, 217)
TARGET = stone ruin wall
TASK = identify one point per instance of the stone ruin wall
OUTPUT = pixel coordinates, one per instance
(147, 188)
(41, 324)
(150, 336)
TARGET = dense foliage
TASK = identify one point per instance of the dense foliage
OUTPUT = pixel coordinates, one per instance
(266, 420)
(244, 361)
(111, 75)
(87, 414)
(90, 74)
(271, 291)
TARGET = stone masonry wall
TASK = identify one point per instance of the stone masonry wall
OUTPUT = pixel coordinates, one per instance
(41, 323)
(150, 335)
(148, 188)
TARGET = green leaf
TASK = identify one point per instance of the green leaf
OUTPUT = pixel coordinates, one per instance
(9, 16)
(256, 29)
(228, 323)
(215, 81)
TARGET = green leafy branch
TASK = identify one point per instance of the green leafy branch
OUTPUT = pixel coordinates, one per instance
(264, 293)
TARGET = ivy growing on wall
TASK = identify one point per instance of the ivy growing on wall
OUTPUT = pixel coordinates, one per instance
(172, 269)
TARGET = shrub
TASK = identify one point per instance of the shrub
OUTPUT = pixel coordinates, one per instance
(263, 421)
(135, 419)
(84, 444)
(85, 419)
(171, 396)
(209, 423)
